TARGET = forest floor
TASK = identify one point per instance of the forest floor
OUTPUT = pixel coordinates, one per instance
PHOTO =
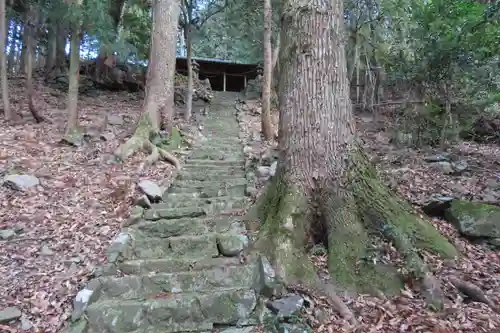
(65, 224)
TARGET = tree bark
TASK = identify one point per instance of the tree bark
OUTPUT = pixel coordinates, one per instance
(22, 65)
(326, 190)
(73, 133)
(9, 114)
(159, 97)
(29, 28)
(12, 50)
(50, 60)
(267, 129)
(190, 83)
(61, 39)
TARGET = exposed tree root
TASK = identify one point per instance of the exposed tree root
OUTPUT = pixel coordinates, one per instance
(141, 141)
(359, 214)
(473, 292)
(283, 212)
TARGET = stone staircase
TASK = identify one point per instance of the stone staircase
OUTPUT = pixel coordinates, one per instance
(177, 269)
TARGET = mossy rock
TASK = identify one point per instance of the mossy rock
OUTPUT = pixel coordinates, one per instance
(475, 219)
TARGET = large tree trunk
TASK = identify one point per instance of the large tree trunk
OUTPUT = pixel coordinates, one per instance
(267, 129)
(73, 134)
(325, 188)
(32, 19)
(190, 83)
(159, 97)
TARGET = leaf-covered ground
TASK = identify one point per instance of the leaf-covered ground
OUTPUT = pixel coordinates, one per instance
(64, 225)
(416, 180)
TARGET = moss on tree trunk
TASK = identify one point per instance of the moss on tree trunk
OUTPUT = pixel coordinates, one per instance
(358, 217)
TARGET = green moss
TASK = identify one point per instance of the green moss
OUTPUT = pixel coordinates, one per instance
(475, 219)
(144, 126)
(351, 260)
(476, 210)
(383, 212)
(282, 205)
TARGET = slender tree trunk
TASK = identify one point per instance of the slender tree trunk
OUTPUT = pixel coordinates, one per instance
(50, 59)
(22, 64)
(326, 190)
(267, 129)
(72, 132)
(29, 28)
(9, 115)
(159, 97)
(61, 39)
(12, 49)
(190, 83)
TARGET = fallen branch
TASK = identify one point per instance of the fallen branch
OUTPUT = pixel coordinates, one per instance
(472, 291)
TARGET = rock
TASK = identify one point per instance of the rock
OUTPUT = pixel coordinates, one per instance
(269, 157)
(250, 191)
(85, 297)
(495, 242)
(46, 251)
(272, 170)
(231, 244)
(444, 157)
(21, 182)
(444, 167)
(263, 171)
(287, 306)
(7, 234)
(402, 138)
(151, 189)
(293, 328)
(115, 120)
(105, 230)
(135, 216)
(26, 324)
(460, 166)
(107, 136)
(78, 327)
(247, 149)
(265, 278)
(118, 247)
(143, 202)
(10, 313)
(437, 206)
(475, 219)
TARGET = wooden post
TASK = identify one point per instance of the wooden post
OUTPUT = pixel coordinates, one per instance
(224, 86)
(245, 80)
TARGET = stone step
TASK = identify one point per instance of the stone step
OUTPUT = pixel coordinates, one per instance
(221, 146)
(205, 192)
(214, 163)
(176, 213)
(139, 287)
(209, 174)
(194, 211)
(173, 313)
(212, 168)
(175, 264)
(200, 184)
(184, 227)
(147, 247)
(188, 196)
(199, 202)
(217, 155)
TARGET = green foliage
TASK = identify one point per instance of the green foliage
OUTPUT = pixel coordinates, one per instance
(454, 59)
